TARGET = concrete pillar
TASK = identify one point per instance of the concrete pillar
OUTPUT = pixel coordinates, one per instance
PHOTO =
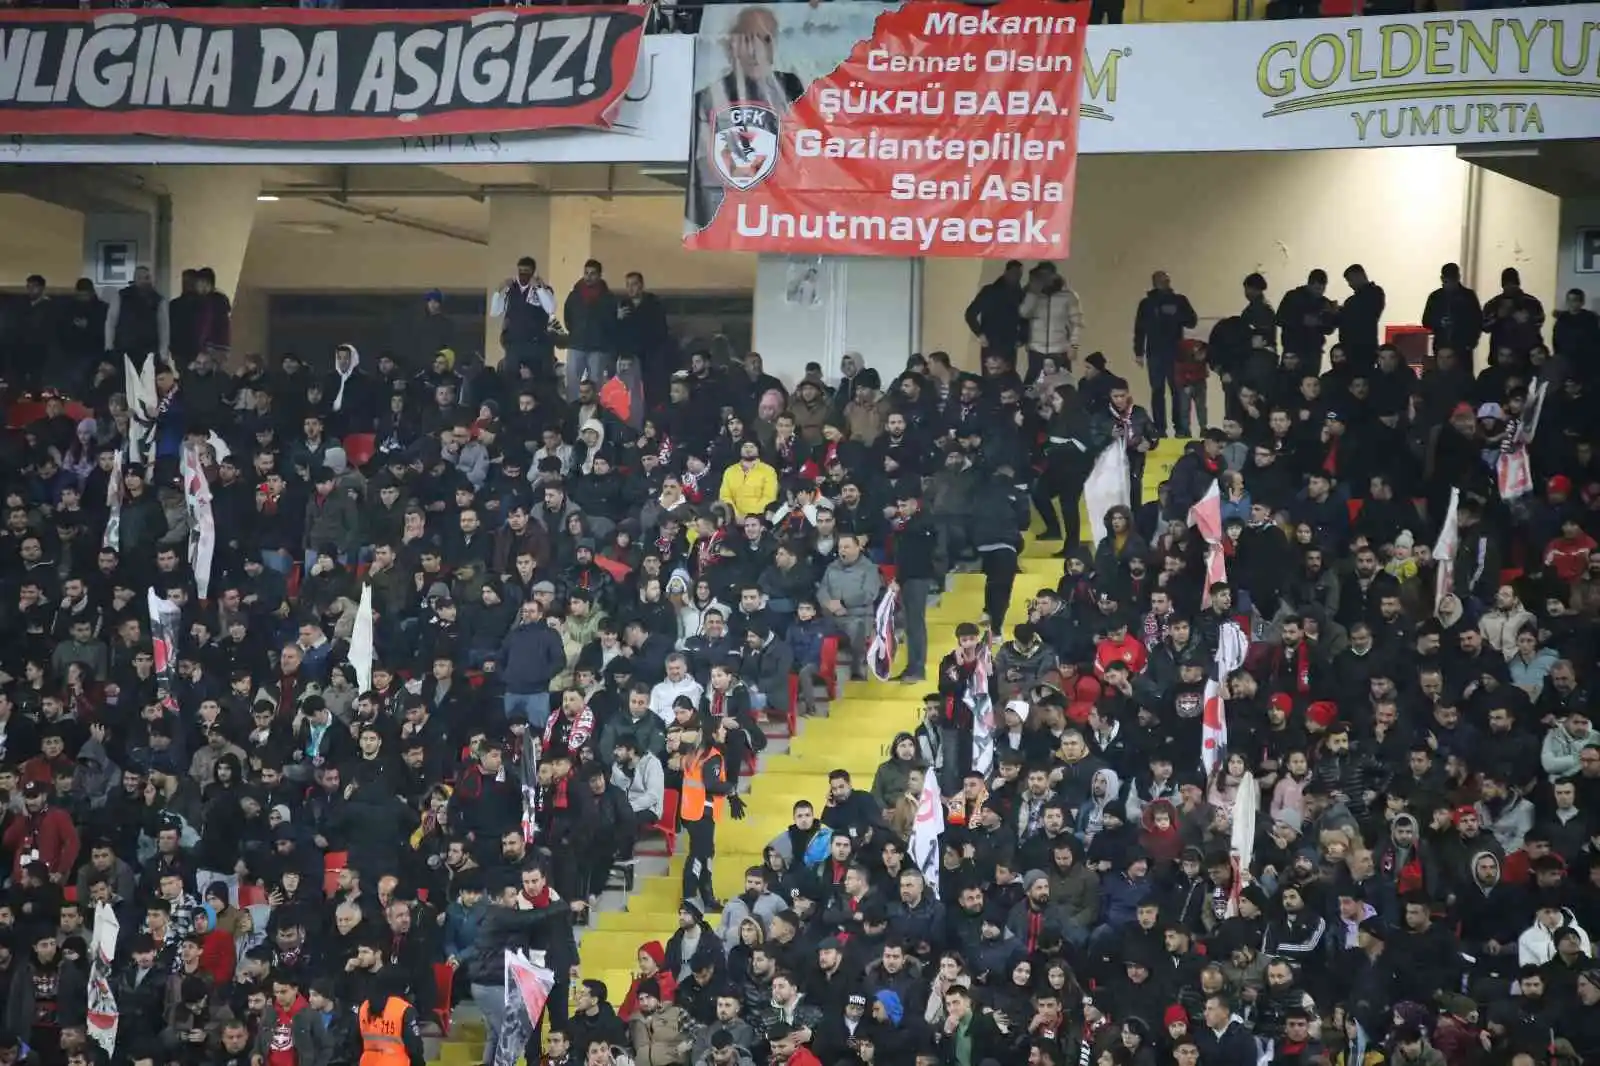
(1578, 251)
(816, 308)
(557, 231)
(213, 212)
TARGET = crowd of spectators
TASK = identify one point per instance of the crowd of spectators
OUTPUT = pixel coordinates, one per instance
(582, 585)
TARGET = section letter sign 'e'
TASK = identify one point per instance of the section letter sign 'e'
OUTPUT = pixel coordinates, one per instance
(940, 130)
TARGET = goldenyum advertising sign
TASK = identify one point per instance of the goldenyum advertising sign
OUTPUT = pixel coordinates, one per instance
(933, 129)
(292, 75)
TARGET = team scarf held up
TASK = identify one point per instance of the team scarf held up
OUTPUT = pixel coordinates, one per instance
(880, 655)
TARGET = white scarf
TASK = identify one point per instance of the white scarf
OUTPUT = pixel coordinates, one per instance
(344, 375)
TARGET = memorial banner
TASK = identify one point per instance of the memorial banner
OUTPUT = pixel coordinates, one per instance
(931, 129)
(237, 74)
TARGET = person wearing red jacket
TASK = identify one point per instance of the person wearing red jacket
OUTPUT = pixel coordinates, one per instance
(1120, 646)
(1567, 556)
(217, 954)
(41, 833)
(787, 1049)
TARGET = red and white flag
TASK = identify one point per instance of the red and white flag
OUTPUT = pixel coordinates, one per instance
(1231, 647)
(1513, 469)
(527, 989)
(1206, 516)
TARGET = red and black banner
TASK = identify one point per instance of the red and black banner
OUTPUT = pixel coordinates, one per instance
(936, 130)
(304, 75)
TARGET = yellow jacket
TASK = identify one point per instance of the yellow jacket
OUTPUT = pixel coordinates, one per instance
(750, 491)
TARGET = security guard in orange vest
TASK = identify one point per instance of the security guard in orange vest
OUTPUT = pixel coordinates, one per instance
(389, 1035)
(703, 800)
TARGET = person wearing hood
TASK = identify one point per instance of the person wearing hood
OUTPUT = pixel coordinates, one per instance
(591, 317)
(1489, 912)
(757, 901)
(889, 783)
(1538, 944)
(1102, 811)
(1158, 330)
(352, 407)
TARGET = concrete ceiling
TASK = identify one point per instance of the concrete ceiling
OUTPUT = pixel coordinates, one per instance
(1564, 168)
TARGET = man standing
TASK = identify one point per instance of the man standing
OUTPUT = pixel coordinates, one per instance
(1359, 318)
(642, 333)
(1054, 315)
(994, 315)
(1306, 317)
(915, 541)
(525, 305)
(1124, 423)
(591, 316)
(1453, 314)
(1158, 328)
(137, 322)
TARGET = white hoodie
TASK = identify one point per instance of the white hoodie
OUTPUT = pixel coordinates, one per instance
(1537, 945)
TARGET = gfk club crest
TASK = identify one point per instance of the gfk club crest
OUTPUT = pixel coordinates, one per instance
(745, 144)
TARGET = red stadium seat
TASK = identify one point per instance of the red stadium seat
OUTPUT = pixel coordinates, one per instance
(24, 413)
(359, 448)
(887, 572)
(829, 666)
(444, 980)
(333, 864)
(668, 825)
(1354, 507)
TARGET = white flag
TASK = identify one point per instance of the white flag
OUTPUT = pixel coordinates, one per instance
(927, 830)
(981, 705)
(1107, 487)
(103, 1012)
(1242, 848)
(1444, 551)
(361, 647)
(113, 534)
(202, 522)
(143, 404)
(880, 655)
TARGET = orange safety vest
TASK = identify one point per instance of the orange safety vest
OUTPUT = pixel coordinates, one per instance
(382, 1037)
(692, 797)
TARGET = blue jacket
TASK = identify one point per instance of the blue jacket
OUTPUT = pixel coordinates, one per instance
(529, 657)
(805, 641)
(1120, 898)
(461, 929)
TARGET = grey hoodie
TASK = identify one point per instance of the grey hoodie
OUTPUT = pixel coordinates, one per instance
(856, 585)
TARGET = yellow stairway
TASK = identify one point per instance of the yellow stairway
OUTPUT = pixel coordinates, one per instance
(854, 736)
